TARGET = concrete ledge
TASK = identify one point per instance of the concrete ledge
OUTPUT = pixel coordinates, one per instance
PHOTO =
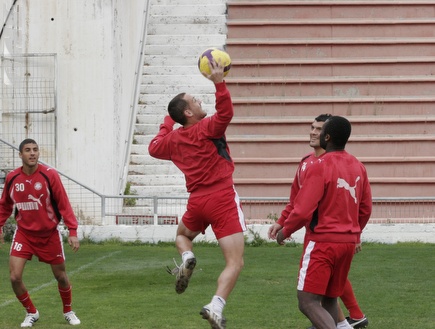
(380, 233)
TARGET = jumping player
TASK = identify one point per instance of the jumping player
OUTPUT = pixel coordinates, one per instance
(199, 149)
(40, 202)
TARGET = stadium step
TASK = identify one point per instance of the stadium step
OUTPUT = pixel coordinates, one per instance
(370, 61)
(374, 145)
(361, 125)
(395, 187)
(282, 167)
(177, 32)
(341, 66)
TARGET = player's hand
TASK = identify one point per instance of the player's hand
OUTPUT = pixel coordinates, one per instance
(273, 230)
(74, 243)
(216, 71)
(280, 238)
(358, 248)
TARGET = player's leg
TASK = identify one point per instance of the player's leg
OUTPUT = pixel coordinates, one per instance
(20, 253)
(16, 266)
(59, 272)
(356, 316)
(341, 319)
(317, 309)
(228, 226)
(184, 238)
(16, 269)
(232, 247)
(184, 244)
(315, 272)
(65, 292)
(53, 254)
(349, 300)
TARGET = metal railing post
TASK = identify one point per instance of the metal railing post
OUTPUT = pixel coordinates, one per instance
(103, 209)
(156, 206)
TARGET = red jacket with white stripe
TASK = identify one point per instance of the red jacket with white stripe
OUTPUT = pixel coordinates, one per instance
(334, 202)
(40, 202)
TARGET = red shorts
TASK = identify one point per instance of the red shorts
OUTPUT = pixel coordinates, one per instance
(221, 210)
(324, 268)
(48, 249)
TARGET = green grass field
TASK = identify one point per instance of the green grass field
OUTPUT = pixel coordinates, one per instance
(125, 286)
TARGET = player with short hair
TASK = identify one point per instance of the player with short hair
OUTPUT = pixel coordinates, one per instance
(334, 204)
(40, 202)
(199, 149)
(356, 319)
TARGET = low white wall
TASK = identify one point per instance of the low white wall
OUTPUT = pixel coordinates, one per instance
(391, 233)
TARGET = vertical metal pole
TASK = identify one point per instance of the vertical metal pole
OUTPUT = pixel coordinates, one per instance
(103, 210)
(155, 203)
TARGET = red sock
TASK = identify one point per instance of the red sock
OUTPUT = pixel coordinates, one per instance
(27, 302)
(349, 300)
(66, 295)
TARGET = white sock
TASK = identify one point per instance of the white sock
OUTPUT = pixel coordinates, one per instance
(218, 304)
(343, 325)
(187, 255)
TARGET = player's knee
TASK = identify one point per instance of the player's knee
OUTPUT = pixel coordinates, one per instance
(241, 264)
(16, 278)
(304, 302)
(61, 278)
(301, 306)
(237, 264)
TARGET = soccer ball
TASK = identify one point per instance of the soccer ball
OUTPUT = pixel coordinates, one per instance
(218, 55)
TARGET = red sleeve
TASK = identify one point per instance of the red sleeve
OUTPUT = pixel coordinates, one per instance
(61, 198)
(365, 207)
(306, 201)
(6, 205)
(219, 122)
(159, 147)
(293, 192)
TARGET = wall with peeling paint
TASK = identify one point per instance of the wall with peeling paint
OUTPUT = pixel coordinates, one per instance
(97, 44)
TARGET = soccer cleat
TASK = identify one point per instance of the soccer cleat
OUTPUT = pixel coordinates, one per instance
(30, 319)
(358, 324)
(71, 318)
(216, 321)
(183, 273)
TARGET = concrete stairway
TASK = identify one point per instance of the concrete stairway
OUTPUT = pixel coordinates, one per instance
(371, 61)
(178, 31)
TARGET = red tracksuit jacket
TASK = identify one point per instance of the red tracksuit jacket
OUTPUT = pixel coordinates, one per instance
(40, 201)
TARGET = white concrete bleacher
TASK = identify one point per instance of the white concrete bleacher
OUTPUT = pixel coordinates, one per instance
(178, 31)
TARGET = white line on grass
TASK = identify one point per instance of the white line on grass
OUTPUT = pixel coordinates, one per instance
(81, 268)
